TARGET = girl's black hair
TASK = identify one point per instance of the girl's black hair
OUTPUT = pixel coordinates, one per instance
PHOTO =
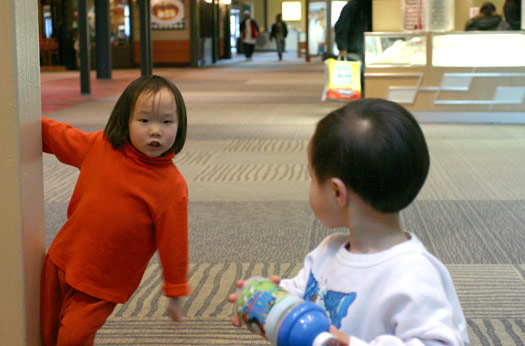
(117, 128)
(376, 148)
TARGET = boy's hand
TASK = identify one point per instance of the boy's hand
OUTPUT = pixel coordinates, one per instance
(342, 338)
(276, 279)
(174, 309)
(232, 298)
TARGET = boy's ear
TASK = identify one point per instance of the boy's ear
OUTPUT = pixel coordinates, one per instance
(340, 192)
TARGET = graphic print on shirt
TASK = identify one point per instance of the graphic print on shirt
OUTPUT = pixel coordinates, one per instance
(335, 303)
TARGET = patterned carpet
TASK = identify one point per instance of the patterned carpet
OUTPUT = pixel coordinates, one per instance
(245, 163)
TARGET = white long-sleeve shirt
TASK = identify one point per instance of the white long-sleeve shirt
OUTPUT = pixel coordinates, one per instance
(249, 37)
(401, 296)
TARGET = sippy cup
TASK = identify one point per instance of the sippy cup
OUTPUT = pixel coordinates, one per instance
(280, 317)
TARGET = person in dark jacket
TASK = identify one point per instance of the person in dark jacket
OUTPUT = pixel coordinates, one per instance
(279, 33)
(354, 20)
(512, 11)
(487, 20)
(249, 32)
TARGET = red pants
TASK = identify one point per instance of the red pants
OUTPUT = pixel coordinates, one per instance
(68, 317)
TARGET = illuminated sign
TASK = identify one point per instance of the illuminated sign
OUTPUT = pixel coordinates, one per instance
(167, 14)
(291, 10)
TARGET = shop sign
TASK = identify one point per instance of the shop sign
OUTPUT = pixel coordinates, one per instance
(473, 12)
(167, 14)
(414, 11)
(428, 15)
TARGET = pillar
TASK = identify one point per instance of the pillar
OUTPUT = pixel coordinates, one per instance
(195, 33)
(329, 29)
(84, 47)
(22, 229)
(146, 45)
(103, 39)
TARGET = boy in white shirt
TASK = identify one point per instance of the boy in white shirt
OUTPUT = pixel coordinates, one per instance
(378, 284)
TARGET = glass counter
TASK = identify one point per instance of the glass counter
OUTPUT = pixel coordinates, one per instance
(453, 49)
(395, 49)
(478, 49)
(455, 71)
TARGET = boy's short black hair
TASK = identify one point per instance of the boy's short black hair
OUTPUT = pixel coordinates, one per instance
(376, 148)
(117, 128)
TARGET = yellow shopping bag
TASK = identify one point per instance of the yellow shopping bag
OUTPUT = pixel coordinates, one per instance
(342, 80)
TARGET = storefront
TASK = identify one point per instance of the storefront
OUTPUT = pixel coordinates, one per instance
(455, 71)
(59, 37)
(171, 35)
(422, 58)
(317, 26)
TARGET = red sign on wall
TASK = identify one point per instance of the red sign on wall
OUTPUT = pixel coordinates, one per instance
(414, 14)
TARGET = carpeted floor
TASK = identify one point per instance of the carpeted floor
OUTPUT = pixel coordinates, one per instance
(245, 163)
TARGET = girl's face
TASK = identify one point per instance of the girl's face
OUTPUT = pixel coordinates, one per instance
(153, 123)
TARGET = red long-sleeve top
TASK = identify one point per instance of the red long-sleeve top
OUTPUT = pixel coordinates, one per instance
(125, 206)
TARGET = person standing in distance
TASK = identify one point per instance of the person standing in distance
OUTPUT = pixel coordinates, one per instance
(249, 31)
(487, 20)
(279, 33)
(512, 11)
(355, 19)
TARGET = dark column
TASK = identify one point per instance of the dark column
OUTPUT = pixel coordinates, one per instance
(227, 34)
(146, 48)
(329, 30)
(216, 35)
(83, 40)
(307, 10)
(103, 39)
(194, 33)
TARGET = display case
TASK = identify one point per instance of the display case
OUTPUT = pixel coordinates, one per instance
(458, 71)
(477, 49)
(401, 49)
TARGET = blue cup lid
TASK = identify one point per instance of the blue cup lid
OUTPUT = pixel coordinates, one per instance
(302, 324)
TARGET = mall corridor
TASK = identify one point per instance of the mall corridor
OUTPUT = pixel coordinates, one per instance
(245, 164)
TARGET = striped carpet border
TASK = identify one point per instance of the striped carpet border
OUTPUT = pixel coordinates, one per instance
(211, 283)
(267, 145)
(485, 291)
(193, 157)
(165, 332)
(253, 173)
(497, 332)
(482, 332)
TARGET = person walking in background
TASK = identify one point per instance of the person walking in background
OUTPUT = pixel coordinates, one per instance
(249, 32)
(129, 201)
(487, 20)
(512, 11)
(279, 33)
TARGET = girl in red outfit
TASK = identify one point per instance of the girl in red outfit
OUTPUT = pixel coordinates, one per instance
(130, 200)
